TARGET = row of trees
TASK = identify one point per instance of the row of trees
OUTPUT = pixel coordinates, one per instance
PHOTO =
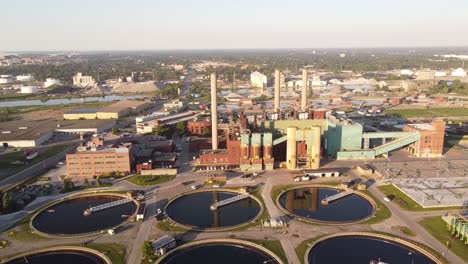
(445, 87)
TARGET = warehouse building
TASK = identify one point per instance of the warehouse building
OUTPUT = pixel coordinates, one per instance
(25, 134)
(114, 111)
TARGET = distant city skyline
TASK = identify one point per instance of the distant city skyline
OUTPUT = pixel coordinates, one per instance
(53, 25)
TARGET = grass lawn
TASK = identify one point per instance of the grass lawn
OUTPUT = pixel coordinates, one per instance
(115, 252)
(433, 112)
(8, 169)
(272, 245)
(381, 212)
(166, 225)
(22, 232)
(149, 180)
(404, 201)
(438, 228)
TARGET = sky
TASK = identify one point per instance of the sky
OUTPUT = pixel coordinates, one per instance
(70, 25)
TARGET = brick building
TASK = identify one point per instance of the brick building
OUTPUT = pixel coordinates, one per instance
(92, 163)
(199, 128)
(431, 142)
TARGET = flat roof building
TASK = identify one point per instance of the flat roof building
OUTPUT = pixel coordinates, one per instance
(23, 134)
(95, 161)
(113, 111)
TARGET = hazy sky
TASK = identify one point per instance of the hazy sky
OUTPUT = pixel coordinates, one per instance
(227, 24)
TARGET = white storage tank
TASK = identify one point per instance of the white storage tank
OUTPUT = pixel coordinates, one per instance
(51, 81)
(29, 89)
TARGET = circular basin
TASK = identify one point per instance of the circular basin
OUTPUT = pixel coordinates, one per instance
(194, 210)
(306, 203)
(67, 217)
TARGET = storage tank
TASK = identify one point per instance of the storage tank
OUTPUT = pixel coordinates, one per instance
(29, 89)
(51, 81)
(291, 152)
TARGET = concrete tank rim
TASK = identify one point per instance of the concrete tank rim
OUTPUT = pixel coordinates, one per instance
(72, 197)
(62, 248)
(225, 241)
(383, 236)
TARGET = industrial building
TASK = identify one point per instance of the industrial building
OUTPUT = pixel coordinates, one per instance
(80, 80)
(22, 134)
(25, 78)
(146, 124)
(298, 137)
(113, 111)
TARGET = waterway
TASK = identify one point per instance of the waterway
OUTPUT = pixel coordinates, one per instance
(194, 210)
(68, 257)
(219, 253)
(67, 217)
(108, 98)
(306, 202)
(362, 250)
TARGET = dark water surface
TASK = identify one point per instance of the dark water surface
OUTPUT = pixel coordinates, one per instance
(362, 250)
(219, 254)
(194, 210)
(67, 217)
(305, 202)
(59, 257)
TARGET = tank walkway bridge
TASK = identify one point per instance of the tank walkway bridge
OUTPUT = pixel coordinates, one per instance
(101, 207)
(337, 196)
(234, 199)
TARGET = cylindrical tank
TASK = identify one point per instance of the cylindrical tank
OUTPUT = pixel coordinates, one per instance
(245, 151)
(267, 151)
(291, 147)
(316, 148)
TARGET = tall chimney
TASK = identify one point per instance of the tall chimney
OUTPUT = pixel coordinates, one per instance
(304, 89)
(214, 113)
(277, 90)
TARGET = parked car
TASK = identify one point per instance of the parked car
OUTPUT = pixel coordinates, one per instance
(194, 187)
(216, 186)
(387, 199)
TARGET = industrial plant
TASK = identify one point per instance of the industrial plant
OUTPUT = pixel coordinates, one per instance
(298, 137)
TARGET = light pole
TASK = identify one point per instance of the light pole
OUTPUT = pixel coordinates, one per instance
(411, 254)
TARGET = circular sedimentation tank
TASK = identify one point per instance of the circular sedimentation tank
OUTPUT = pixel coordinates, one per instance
(368, 248)
(69, 255)
(222, 251)
(192, 210)
(67, 217)
(306, 203)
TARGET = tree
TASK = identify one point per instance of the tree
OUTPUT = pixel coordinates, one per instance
(115, 130)
(7, 202)
(68, 186)
(181, 128)
(147, 249)
(163, 130)
(86, 182)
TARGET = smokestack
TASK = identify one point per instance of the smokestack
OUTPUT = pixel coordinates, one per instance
(304, 89)
(214, 113)
(277, 90)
